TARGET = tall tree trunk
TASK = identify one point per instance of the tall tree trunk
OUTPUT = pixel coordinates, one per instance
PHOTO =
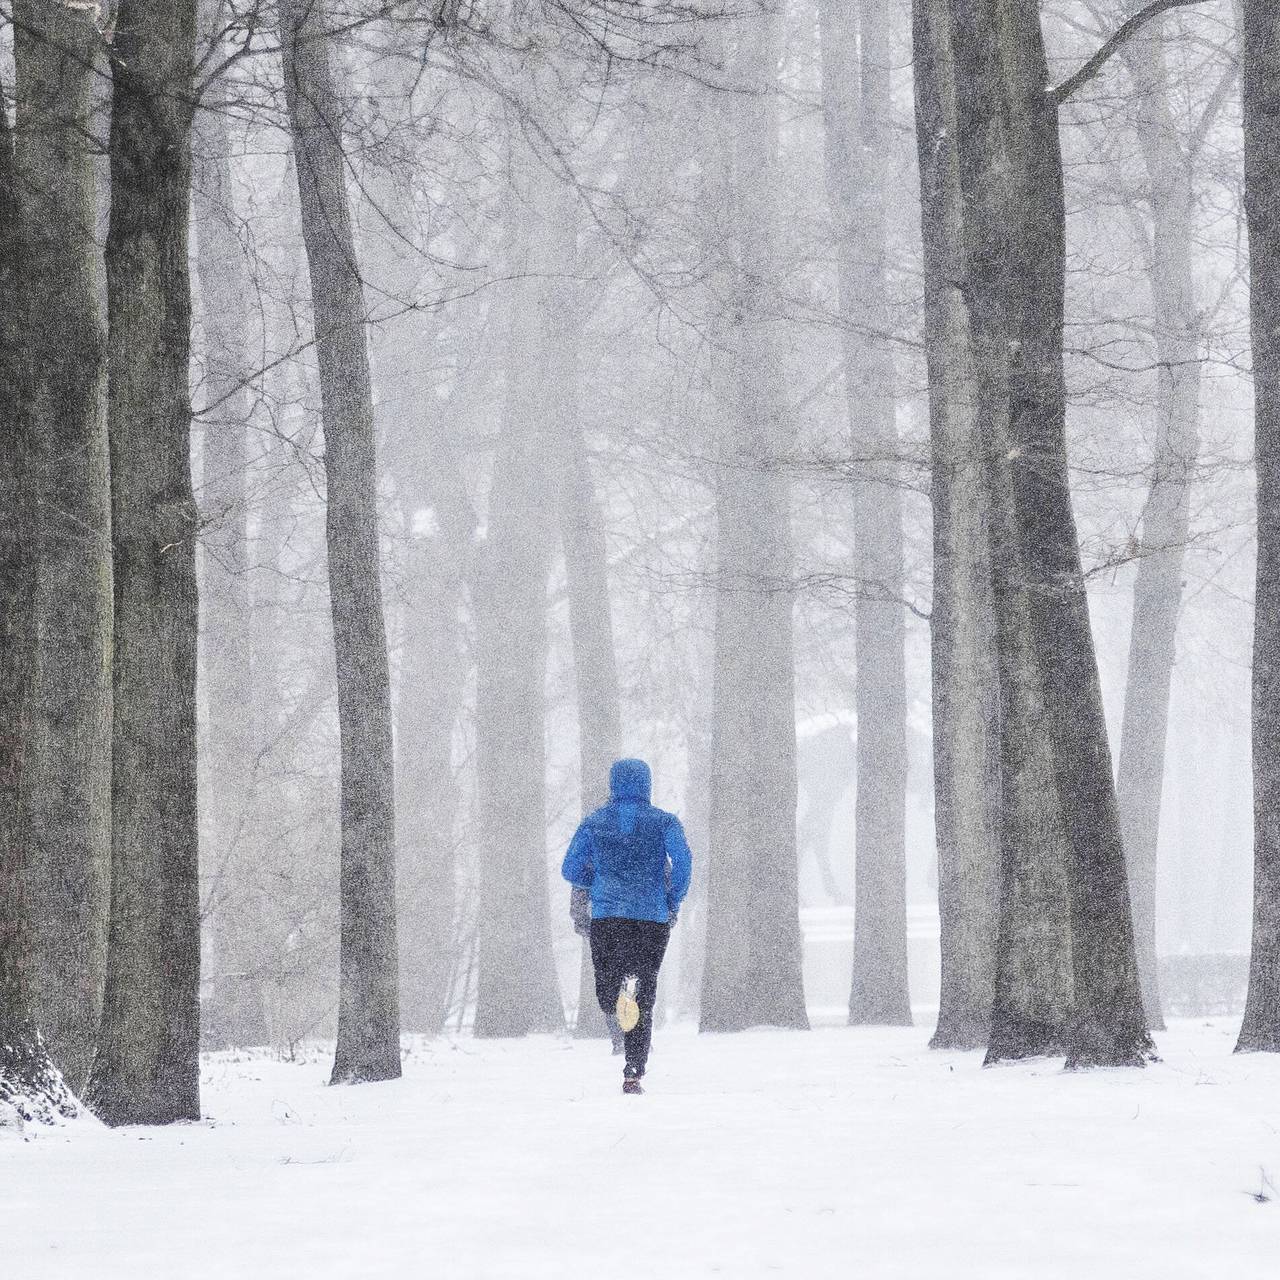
(147, 1068)
(966, 764)
(855, 48)
(28, 1079)
(517, 992)
(68, 767)
(414, 431)
(1011, 177)
(1260, 78)
(752, 974)
(368, 1046)
(1157, 592)
(586, 564)
(234, 735)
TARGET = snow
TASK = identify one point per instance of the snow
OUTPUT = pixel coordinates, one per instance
(841, 1152)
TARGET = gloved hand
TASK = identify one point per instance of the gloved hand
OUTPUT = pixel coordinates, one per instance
(673, 913)
(580, 910)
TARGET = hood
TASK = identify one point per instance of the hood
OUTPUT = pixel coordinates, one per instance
(630, 780)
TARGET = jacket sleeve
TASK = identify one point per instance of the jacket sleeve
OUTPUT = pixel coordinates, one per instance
(579, 867)
(681, 864)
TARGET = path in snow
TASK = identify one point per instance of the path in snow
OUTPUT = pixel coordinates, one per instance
(850, 1153)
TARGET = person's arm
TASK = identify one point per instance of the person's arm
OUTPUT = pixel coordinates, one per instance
(681, 867)
(579, 870)
(579, 865)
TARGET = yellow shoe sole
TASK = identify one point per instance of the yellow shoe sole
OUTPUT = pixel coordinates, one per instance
(628, 1010)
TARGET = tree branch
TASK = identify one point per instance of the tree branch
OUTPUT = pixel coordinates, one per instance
(1124, 33)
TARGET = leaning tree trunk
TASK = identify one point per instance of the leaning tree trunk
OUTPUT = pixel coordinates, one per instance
(966, 765)
(68, 764)
(368, 1046)
(1260, 77)
(147, 1068)
(1157, 592)
(234, 735)
(28, 1079)
(857, 143)
(1015, 233)
(517, 991)
(752, 973)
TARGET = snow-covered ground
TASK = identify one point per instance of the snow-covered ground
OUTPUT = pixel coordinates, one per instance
(850, 1153)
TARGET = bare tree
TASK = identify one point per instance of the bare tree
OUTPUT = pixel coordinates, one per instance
(965, 691)
(517, 990)
(1166, 517)
(856, 98)
(68, 772)
(147, 1066)
(752, 972)
(28, 1079)
(368, 1046)
(232, 696)
(1260, 79)
(1014, 236)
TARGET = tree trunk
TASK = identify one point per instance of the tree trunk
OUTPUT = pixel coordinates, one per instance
(857, 128)
(966, 762)
(28, 1079)
(234, 734)
(517, 991)
(1011, 177)
(368, 1046)
(1260, 78)
(414, 431)
(586, 563)
(68, 765)
(1157, 592)
(147, 1068)
(752, 974)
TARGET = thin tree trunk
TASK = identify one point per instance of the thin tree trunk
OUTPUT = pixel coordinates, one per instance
(855, 49)
(147, 1068)
(28, 1079)
(752, 974)
(1260, 77)
(68, 768)
(234, 735)
(517, 992)
(368, 1046)
(1157, 592)
(965, 681)
(1011, 176)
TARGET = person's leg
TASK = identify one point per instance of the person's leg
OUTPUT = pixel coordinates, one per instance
(647, 945)
(607, 959)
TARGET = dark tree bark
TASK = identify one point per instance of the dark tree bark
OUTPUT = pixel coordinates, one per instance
(233, 699)
(68, 766)
(1011, 178)
(147, 1068)
(966, 763)
(517, 992)
(1157, 592)
(1260, 80)
(368, 1046)
(28, 1079)
(855, 53)
(752, 974)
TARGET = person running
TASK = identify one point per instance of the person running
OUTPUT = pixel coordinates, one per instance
(634, 862)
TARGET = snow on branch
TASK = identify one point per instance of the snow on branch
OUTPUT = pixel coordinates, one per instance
(1125, 32)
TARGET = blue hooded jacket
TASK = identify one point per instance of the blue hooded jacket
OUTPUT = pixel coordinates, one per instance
(632, 857)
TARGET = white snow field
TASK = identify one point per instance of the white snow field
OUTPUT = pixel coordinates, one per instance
(850, 1153)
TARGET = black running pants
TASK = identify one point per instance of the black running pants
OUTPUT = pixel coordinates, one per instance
(621, 949)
